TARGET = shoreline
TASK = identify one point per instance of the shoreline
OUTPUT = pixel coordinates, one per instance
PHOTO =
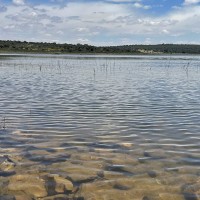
(98, 54)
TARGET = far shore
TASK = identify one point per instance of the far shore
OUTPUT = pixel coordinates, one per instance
(15, 53)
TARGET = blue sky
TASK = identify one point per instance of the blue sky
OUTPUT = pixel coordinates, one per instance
(101, 22)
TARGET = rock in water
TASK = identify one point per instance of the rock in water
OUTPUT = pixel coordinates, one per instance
(59, 197)
(29, 184)
(7, 197)
(152, 174)
(22, 197)
(6, 164)
(62, 182)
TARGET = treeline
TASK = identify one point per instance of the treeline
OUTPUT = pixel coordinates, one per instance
(43, 47)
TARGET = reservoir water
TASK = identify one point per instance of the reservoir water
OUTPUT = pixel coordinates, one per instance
(89, 127)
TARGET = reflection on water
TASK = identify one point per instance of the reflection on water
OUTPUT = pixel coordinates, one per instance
(96, 127)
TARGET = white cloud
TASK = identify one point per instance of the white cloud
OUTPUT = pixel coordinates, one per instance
(19, 2)
(139, 5)
(57, 1)
(9, 27)
(165, 31)
(81, 29)
(60, 32)
(83, 41)
(187, 2)
(123, 1)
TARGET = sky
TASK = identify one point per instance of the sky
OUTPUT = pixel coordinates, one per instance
(101, 22)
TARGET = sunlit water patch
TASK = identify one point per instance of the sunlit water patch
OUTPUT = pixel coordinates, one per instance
(99, 127)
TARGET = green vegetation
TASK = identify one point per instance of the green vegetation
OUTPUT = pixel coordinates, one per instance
(43, 47)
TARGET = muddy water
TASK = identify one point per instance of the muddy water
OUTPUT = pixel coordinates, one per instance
(99, 127)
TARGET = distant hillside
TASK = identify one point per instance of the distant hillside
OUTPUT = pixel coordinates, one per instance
(40, 47)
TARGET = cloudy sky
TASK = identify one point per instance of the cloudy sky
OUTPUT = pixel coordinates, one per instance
(101, 22)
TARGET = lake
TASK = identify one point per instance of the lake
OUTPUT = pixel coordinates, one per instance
(89, 127)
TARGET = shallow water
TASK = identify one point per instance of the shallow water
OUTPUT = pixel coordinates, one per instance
(117, 127)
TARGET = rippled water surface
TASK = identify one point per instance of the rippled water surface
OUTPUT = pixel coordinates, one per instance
(117, 127)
